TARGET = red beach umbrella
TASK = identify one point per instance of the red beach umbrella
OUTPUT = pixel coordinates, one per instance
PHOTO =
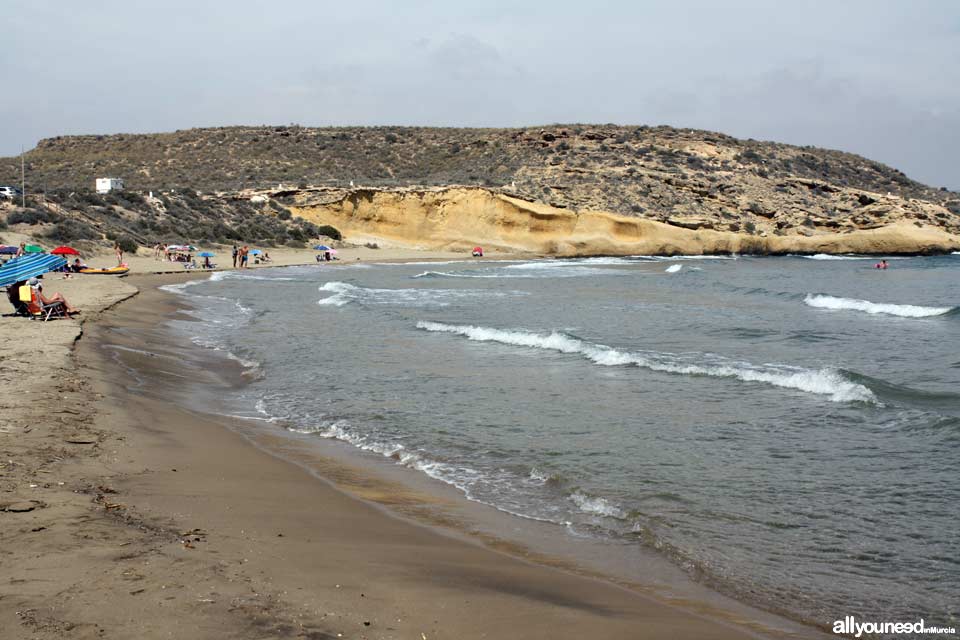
(65, 251)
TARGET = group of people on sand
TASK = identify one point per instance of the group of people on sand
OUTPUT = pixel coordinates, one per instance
(241, 257)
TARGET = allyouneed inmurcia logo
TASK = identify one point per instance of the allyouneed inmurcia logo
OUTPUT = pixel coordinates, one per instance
(850, 626)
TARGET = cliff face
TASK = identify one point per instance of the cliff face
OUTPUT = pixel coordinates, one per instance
(459, 218)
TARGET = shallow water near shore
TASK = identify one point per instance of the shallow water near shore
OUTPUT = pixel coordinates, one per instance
(785, 429)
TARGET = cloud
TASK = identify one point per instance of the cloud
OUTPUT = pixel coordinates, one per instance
(875, 78)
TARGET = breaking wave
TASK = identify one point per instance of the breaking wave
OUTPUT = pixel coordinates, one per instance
(345, 293)
(827, 382)
(447, 274)
(827, 256)
(596, 505)
(674, 268)
(180, 288)
(850, 304)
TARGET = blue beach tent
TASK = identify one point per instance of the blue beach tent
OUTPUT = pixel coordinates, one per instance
(29, 266)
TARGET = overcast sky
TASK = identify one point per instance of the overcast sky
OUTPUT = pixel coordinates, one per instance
(877, 77)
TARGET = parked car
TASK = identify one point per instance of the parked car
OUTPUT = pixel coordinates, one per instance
(9, 192)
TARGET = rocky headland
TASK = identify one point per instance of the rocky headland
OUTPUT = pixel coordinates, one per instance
(559, 189)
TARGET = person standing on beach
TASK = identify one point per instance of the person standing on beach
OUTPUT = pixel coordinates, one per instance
(243, 256)
(236, 251)
(116, 247)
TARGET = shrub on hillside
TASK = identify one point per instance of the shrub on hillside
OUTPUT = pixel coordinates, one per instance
(71, 230)
(32, 216)
(328, 231)
(127, 244)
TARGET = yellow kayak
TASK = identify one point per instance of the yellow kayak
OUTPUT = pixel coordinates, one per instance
(113, 271)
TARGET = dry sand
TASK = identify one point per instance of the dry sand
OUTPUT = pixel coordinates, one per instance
(126, 517)
(144, 262)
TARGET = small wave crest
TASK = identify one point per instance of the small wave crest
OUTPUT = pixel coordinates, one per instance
(344, 293)
(244, 275)
(447, 274)
(674, 268)
(827, 382)
(828, 256)
(181, 287)
(850, 304)
(596, 505)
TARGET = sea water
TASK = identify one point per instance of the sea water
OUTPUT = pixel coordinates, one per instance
(786, 428)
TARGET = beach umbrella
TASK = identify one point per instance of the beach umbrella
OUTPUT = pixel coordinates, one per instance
(321, 247)
(206, 254)
(6, 250)
(32, 248)
(255, 252)
(30, 266)
(65, 251)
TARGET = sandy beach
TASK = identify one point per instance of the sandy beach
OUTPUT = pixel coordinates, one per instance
(127, 516)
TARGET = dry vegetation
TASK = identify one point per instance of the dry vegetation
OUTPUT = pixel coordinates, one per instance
(689, 178)
(63, 217)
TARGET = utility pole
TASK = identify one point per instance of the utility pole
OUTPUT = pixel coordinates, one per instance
(23, 181)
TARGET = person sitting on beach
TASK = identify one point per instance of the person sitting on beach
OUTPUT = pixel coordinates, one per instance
(57, 297)
(265, 257)
(77, 265)
(22, 249)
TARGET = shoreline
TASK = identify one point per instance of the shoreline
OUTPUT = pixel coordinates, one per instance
(475, 582)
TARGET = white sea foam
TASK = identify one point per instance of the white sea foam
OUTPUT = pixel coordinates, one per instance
(345, 293)
(596, 505)
(461, 274)
(826, 382)
(850, 304)
(675, 258)
(242, 275)
(827, 256)
(180, 288)
(674, 268)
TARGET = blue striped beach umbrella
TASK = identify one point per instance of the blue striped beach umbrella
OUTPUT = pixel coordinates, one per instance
(29, 266)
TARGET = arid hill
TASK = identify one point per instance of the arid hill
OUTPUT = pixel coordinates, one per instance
(683, 178)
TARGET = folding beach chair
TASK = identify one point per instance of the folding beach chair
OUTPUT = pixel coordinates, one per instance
(36, 308)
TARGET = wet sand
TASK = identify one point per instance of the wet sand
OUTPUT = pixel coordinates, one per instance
(127, 516)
